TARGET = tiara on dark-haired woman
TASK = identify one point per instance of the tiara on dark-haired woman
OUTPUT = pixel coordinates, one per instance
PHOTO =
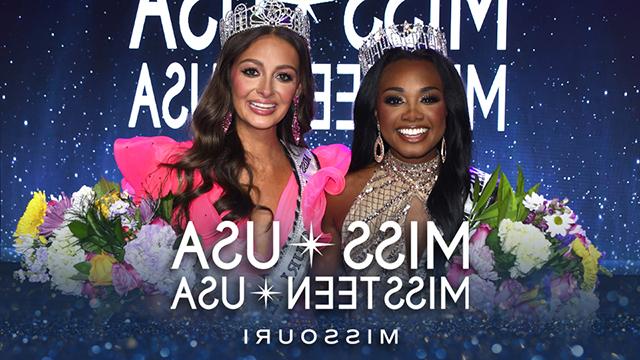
(404, 36)
(267, 13)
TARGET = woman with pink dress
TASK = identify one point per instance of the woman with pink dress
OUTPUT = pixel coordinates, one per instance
(247, 160)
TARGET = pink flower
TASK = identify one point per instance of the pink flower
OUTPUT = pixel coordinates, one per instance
(563, 287)
(480, 235)
(480, 255)
(125, 278)
(456, 273)
(88, 290)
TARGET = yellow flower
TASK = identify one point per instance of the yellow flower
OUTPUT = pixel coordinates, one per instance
(32, 218)
(105, 202)
(100, 272)
(590, 256)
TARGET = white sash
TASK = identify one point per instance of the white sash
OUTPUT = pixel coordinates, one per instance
(292, 261)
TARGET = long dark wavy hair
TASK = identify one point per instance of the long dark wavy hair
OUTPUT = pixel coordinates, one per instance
(219, 157)
(446, 202)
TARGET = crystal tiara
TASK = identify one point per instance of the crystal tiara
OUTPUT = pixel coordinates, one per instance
(405, 36)
(267, 13)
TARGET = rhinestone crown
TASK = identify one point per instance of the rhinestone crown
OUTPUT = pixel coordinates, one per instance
(405, 36)
(267, 13)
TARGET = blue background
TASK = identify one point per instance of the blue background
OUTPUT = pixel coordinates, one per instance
(68, 80)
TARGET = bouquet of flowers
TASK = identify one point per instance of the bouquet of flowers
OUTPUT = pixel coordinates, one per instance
(528, 256)
(99, 243)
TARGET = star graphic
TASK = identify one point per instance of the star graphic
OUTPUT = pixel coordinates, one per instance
(311, 245)
(305, 5)
(266, 293)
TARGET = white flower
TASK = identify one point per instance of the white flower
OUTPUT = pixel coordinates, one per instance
(63, 254)
(534, 201)
(118, 208)
(529, 245)
(151, 254)
(559, 224)
(22, 244)
(81, 200)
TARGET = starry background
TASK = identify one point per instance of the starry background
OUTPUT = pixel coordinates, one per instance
(68, 80)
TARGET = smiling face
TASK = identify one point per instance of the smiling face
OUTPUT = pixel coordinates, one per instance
(411, 109)
(264, 81)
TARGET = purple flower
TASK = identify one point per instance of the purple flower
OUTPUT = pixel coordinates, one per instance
(482, 293)
(146, 207)
(530, 218)
(563, 287)
(566, 240)
(509, 292)
(54, 216)
(125, 278)
(88, 290)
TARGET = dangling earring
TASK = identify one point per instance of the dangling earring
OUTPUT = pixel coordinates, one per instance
(443, 150)
(296, 123)
(378, 147)
(226, 122)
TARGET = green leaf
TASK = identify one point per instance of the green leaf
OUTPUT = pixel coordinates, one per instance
(504, 187)
(493, 242)
(79, 229)
(504, 262)
(605, 271)
(98, 240)
(118, 253)
(521, 212)
(83, 267)
(487, 191)
(165, 208)
(490, 212)
(512, 209)
(80, 277)
(118, 233)
(103, 187)
(90, 247)
(94, 222)
(476, 189)
(520, 183)
(138, 218)
(503, 206)
(533, 189)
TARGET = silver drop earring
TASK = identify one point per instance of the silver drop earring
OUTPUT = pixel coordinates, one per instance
(378, 147)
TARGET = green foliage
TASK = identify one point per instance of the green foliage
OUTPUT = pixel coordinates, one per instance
(165, 208)
(83, 267)
(104, 187)
(506, 204)
(98, 235)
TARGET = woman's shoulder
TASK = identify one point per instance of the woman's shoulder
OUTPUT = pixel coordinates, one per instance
(141, 161)
(148, 146)
(333, 155)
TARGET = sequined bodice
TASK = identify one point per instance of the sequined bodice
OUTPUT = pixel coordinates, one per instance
(388, 196)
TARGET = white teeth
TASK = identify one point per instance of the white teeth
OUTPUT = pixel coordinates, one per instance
(413, 131)
(263, 106)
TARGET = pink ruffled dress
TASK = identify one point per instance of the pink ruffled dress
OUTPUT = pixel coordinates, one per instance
(139, 160)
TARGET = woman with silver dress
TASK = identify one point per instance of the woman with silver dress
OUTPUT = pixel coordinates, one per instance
(411, 153)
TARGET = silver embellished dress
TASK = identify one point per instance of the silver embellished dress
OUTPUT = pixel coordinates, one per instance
(389, 194)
